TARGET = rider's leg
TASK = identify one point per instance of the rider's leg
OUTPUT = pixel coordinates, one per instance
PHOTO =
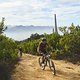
(43, 56)
(42, 59)
(20, 54)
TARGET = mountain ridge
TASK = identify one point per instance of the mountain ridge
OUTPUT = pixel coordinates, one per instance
(20, 32)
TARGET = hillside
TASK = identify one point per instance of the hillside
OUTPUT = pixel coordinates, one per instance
(28, 69)
(15, 32)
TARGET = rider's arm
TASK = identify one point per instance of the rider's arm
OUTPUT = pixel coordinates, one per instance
(51, 48)
(38, 48)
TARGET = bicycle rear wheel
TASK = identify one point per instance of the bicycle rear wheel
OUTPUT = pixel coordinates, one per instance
(42, 65)
(52, 67)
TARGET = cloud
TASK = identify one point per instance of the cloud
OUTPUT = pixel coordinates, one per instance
(39, 12)
(10, 4)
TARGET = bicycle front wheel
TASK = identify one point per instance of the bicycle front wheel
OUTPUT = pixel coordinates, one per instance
(52, 67)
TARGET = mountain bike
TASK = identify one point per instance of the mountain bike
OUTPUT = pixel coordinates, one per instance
(47, 62)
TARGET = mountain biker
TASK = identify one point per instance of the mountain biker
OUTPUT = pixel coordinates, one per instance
(20, 51)
(42, 48)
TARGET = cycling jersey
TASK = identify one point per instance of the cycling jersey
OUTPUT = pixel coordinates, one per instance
(42, 47)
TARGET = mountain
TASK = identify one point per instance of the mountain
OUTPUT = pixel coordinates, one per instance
(20, 32)
(27, 28)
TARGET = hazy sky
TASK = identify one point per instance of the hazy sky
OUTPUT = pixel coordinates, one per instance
(40, 12)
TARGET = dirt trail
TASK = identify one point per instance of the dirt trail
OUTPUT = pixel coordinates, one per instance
(28, 69)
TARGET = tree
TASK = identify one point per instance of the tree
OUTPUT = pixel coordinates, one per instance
(72, 28)
(2, 28)
(35, 36)
(63, 30)
(78, 28)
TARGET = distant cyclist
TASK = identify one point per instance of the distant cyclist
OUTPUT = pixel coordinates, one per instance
(20, 51)
(42, 48)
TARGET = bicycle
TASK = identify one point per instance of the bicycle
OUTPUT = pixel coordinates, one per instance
(44, 64)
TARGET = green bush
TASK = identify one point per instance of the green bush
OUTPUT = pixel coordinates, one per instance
(71, 46)
(7, 49)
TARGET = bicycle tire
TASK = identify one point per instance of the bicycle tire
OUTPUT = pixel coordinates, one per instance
(52, 67)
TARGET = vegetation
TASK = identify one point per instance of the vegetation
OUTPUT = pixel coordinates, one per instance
(7, 46)
(2, 28)
(70, 44)
(8, 52)
(66, 46)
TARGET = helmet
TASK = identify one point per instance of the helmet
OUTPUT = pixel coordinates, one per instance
(20, 47)
(43, 39)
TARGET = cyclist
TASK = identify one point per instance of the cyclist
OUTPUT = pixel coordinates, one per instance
(42, 48)
(20, 51)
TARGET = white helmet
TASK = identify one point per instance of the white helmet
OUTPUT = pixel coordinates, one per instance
(43, 39)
